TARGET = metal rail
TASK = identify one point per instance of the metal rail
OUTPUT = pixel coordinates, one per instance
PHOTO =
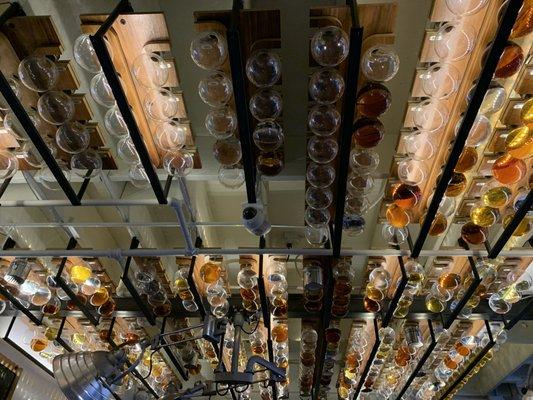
(371, 357)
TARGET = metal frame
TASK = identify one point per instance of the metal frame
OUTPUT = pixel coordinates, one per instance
(421, 362)
(482, 86)
(192, 284)
(110, 73)
(183, 373)
(59, 339)
(397, 294)
(473, 364)
(363, 376)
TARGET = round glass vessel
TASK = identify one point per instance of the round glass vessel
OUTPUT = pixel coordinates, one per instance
(510, 61)
(457, 185)
(524, 22)
(368, 132)
(526, 114)
(509, 170)
(519, 143)
(406, 196)
(473, 234)
(373, 99)
(467, 159)
(483, 216)
(397, 216)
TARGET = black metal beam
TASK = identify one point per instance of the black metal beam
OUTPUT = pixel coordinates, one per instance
(241, 100)
(509, 230)
(375, 347)
(421, 362)
(131, 287)
(110, 73)
(192, 284)
(397, 294)
(470, 115)
(183, 373)
(473, 364)
(4, 186)
(519, 316)
(346, 128)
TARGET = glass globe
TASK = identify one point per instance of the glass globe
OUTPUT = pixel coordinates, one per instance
(228, 151)
(38, 73)
(380, 63)
(161, 104)
(114, 123)
(138, 176)
(189, 305)
(380, 278)
(15, 87)
(392, 235)
(364, 161)
(126, 150)
(479, 132)
(355, 203)
(13, 126)
(462, 8)
(56, 107)
(320, 175)
(268, 136)
(72, 138)
(101, 91)
(178, 163)
(208, 50)
(326, 86)
(30, 155)
(270, 163)
(215, 90)
(323, 120)
(429, 115)
(221, 122)
(441, 80)
(420, 146)
(231, 176)
(9, 164)
(330, 46)
(454, 41)
(263, 68)
(85, 55)
(322, 150)
(170, 135)
(499, 305)
(247, 277)
(266, 105)
(353, 224)
(412, 172)
(221, 310)
(359, 184)
(316, 217)
(151, 70)
(45, 177)
(87, 164)
(318, 197)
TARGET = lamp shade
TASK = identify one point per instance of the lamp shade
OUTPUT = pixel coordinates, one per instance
(80, 375)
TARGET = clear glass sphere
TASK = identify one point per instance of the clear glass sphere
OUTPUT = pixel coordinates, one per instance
(318, 197)
(266, 105)
(151, 70)
(15, 87)
(45, 177)
(263, 68)
(231, 176)
(268, 136)
(9, 164)
(209, 50)
(420, 146)
(114, 123)
(56, 107)
(364, 161)
(126, 150)
(178, 163)
(221, 122)
(441, 80)
(38, 73)
(392, 235)
(355, 204)
(454, 41)
(13, 126)
(353, 224)
(493, 101)
(170, 135)
(323, 120)
(138, 176)
(161, 104)
(221, 310)
(85, 55)
(429, 115)
(462, 8)
(72, 138)
(30, 155)
(189, 305)
(101, 91)
(322, 150)
(316, 217)
(330, 46)
(215, 90)
(326, 86)
(87, 164)
(380, 63)
(359, 184)
(412, 172)
(247, 278)
(320, 175)
(228, 151)
(479, 132)
(499, 305)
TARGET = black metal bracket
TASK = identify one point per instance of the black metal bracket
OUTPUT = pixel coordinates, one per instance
(371, 357)
(110, 73)
(4, 186)
(241, 101)
(183, 373)
(131, 287)
(470, 115)
(192, 284)
(59, 339)
(397, 294)
(473, 364)
(421, 362)
(63, 284)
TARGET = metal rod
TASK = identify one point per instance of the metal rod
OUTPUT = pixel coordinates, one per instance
(176, 205)
(85, 184)
(421, 362)
(470, 115)
(241, 101)
(172, 357)
(346, 131)
(131, 287)
(362, 378)
(4, 186)
(59, 339)
(110, 73)
(192, 283)
(473, 364)
(513, 224)
(168, 185)
(397, 294)
(518, 317)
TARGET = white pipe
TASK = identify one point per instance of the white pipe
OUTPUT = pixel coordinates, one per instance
(85, 203)
(101, 224)
(176, 205)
